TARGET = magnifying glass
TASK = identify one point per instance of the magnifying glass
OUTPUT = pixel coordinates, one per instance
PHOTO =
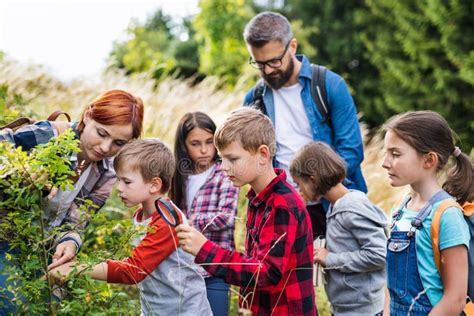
(167, 211)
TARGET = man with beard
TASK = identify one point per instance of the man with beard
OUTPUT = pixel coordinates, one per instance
(288, 101)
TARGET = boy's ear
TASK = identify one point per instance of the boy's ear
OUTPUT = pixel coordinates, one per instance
(156, 185)
(264, 152)
(430, 160)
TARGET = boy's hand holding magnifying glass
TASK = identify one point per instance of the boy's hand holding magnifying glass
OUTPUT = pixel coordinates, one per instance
(190, 239)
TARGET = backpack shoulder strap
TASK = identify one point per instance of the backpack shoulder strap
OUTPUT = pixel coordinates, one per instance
(435, 226)
(468, 209)
(26, 121)
(257, 96)
(53, 116)
(318, 92)
(17, 123)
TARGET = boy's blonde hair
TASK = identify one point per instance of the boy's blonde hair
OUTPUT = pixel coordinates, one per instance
(319, 165)
(149, 156)
(250, 127)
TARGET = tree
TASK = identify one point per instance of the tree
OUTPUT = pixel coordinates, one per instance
(155, 46)
(328, 33)
(425, 57)
(219, 27)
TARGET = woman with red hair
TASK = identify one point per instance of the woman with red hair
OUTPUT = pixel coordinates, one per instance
(106, 124)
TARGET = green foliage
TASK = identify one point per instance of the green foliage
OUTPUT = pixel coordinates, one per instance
(219, 27)
(425, 59)
(328, 33)
(11, 105)
(25, 181)
(156, 47)
(23, 178)
(394, 56)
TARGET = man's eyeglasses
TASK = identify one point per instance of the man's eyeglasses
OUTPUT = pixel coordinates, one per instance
(272, 63)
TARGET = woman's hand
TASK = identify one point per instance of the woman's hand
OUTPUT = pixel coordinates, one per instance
(65, 252)
(59, 275)
(190, 239)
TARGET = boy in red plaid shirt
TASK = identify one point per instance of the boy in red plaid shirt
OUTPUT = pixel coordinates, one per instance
(275, 272)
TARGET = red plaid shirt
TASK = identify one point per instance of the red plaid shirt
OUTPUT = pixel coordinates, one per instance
(275, 273)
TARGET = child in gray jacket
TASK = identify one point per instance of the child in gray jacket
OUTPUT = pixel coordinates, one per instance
(354, 257)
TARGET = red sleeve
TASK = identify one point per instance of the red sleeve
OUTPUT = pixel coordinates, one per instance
(159, 242)
(270, 259)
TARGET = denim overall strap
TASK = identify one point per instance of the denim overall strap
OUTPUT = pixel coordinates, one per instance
(407, 294)
(417, 222)
(398, 213)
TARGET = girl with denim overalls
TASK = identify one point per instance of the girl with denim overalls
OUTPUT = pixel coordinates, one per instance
(418, 145)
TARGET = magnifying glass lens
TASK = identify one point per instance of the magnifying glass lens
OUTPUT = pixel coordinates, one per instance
(167, 212)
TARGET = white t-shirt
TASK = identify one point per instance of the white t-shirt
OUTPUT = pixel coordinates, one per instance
(292, 127)
(194, 183)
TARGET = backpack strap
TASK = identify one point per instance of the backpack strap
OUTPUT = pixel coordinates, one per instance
(27, 121)
(53, 116)
(435, 226)
(417, 222)
(318, 92)
(17, 123)
(257, 96)
(468, 209)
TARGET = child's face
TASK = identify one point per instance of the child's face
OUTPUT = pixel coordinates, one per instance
(240, 165)
(305, 189)
(200, 147)
(132, 188)
(402, 162)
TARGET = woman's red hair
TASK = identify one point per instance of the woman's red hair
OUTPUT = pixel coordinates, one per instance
(115, 107)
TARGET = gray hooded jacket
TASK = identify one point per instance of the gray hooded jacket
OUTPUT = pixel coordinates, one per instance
(355, 266)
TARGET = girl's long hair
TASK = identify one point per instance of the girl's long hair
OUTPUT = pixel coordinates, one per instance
(427, 131)
(184, 164)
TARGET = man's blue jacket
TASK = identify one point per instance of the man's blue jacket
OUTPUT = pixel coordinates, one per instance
(343, 135)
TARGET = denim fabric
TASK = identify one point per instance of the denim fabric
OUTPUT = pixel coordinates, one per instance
(404, 282)
(6, 307)
(344, 136)
(218, 296)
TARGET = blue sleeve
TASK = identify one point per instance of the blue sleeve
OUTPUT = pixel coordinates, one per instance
(29, 136)
(347, 136)
(248, 98)
(453, 230)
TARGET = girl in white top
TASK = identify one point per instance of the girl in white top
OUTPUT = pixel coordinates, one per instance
(201, 188)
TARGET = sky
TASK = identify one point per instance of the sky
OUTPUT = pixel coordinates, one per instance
(72, 38)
